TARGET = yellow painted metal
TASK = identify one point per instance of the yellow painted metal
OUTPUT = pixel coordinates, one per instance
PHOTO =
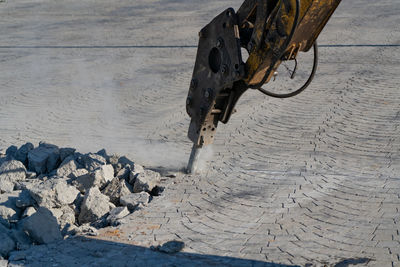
(274, 47)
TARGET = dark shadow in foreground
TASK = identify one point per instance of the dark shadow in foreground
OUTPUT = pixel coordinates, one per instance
(81, 251)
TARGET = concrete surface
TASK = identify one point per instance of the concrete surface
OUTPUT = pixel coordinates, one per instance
(312, 180)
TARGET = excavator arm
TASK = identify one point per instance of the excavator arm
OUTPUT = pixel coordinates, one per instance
(272, 31)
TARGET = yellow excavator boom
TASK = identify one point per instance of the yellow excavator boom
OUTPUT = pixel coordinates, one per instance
(272, 31)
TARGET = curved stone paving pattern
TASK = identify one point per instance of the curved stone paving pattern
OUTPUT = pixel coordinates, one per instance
(310, 180)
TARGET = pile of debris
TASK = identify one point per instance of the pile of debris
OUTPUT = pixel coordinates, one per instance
(49, 193)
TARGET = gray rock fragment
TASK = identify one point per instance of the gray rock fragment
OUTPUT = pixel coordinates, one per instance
(146, 181)
(3, 263)
(171, 247)
(11, 172)
(9, 212)
(135, 171)
(78, 173)
(28, 212)
(30, 175)
(21, 239)
(67, 167)
(86, 229)
(94, 206)
(116, 189)
(6, 186)
(124, 161)
(103, 153)
(22, 153)
(53, 193)
(100, 178)
(66, 152)
(6, 245)
(134, 200)
(43, 158)
(65, 216)
(17, 256)
(93, 161)
(24, 199)
(11, 151)
(117, 214)
(124, 173)
(42, 227)
(113, 160)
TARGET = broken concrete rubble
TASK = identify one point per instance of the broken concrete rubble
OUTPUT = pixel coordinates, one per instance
(6, 245)
(146, 181)
(53, 193)
(66, 152)
(116, 189)
(9, 212)
(132, 201)
(65, 193)
(22, 153)
(67, 167)
(42, 227)
(92, 161)
(94, 206)
(117, 214)
(11, 172)
(43, 158)
(97, 178)
(24, 200)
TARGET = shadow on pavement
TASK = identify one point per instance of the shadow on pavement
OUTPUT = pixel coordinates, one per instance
(82, 251)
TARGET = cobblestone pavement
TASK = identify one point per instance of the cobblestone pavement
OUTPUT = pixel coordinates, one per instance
(310, 181)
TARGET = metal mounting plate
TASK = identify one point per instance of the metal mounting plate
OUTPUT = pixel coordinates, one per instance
(218, 66)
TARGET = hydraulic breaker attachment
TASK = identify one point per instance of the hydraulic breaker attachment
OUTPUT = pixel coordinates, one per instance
(271, 31)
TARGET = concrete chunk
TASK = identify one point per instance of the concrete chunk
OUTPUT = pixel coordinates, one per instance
(146, 181)
(6, 244)
(116, 189)
(43, 227)
(132, 201)
(22, 153)
(66, 152)
(43, 158)
(11, 172)
(9, 212)
(94, 206)
(67, 167)
(53, 193)
(117, 214)
(24, 199)
(100, 178)
(93, 161)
